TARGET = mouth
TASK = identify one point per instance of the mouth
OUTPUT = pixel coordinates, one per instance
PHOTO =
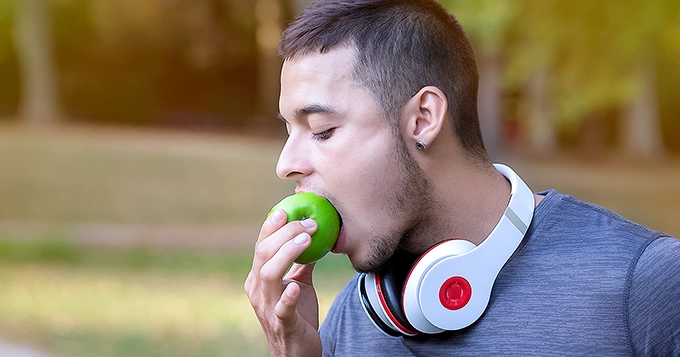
(340, 242)
(339, 246)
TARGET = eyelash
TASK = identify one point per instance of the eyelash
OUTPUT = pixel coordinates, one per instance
(323, 135)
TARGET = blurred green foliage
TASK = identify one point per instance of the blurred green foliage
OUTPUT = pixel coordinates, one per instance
(591, 49)
(195, 64)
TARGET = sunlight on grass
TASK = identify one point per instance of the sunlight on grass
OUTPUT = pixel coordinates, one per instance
(68, 301)
(44, 304)
(105, 303)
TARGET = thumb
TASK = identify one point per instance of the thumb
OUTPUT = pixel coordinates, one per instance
(285, 308)
(301, 273)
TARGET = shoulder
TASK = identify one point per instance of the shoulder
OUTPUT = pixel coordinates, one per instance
(654, 299)
(581, 224)
(560, 208)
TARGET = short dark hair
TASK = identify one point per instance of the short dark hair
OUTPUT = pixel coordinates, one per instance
(402, 46)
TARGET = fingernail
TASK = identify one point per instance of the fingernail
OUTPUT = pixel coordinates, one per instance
(277, 215)
(308, 223)
(291, 291)
(301, 238)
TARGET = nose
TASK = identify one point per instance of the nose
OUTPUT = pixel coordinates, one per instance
(294, 163)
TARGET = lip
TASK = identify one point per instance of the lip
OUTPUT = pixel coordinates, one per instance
(339, 246)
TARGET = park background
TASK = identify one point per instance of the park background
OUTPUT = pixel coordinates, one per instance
(138, 141)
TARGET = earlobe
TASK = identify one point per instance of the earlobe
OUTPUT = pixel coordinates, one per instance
(426, 113)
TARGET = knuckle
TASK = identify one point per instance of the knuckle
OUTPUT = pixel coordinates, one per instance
(261, 250)
(247, 284)
(268, 275)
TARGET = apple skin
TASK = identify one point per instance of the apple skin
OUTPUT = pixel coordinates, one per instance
(303, 205)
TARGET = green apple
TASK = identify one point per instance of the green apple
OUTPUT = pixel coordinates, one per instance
(305, 205)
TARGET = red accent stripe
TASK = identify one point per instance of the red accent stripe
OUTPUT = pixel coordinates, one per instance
(387, 310)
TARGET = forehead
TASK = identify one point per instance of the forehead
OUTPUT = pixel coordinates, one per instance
(322, 78)
(334, 64)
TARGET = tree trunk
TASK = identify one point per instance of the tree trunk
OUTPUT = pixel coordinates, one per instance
(39, 104)
(268, 14)
(490, 104)
(641, 135)
(542, 133)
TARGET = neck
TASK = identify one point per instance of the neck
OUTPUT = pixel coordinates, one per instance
(469, 200)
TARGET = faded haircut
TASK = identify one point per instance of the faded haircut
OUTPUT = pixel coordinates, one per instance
(401, 46)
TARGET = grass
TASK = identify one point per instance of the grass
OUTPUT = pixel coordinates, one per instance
(78, 301)
(73, 282)
(78, 312)
(132, 177)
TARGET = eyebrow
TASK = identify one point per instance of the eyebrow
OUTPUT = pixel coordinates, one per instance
(310, 109)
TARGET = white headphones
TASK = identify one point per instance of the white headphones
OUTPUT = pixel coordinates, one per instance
(449, 286)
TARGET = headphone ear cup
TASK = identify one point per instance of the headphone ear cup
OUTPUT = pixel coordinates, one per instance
(391, 284)
(414, 293)
(375, 317)
(381, 295)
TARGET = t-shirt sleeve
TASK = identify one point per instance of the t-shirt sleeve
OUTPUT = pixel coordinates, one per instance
(654, 300)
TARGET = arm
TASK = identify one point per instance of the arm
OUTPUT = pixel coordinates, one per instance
(285, 304)
(655, 300)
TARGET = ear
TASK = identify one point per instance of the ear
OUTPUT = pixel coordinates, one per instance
(425, 115)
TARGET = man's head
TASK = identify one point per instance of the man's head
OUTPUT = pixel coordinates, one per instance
(401, 46)
(361, 84)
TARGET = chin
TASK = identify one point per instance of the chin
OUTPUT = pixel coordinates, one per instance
(380, 250)
(365, 268)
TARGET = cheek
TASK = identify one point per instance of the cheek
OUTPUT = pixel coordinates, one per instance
(357, 161)
(366, 174)
(370, 193)
(362, 171)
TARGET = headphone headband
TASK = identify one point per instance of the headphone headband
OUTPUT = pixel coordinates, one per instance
(513, 225)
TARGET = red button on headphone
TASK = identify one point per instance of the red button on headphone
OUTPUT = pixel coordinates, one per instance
(455, 293)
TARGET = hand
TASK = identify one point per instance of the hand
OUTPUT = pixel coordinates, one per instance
(286, 306)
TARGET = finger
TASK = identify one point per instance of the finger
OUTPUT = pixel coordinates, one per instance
(301, 273)
(286, 307)
(267, 248)
(275, 267)
(275, 221)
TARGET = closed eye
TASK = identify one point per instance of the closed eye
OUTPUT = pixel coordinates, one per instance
(323, 135)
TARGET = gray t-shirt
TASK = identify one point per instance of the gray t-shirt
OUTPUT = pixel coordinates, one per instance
(584, 281)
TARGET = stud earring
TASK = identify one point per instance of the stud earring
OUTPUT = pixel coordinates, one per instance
(421, 145)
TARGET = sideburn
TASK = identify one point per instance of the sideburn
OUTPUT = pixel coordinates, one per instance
(417, 197)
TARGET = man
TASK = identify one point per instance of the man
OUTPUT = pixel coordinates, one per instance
(379, 100)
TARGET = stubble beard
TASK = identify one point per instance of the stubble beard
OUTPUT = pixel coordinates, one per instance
(411, 202)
